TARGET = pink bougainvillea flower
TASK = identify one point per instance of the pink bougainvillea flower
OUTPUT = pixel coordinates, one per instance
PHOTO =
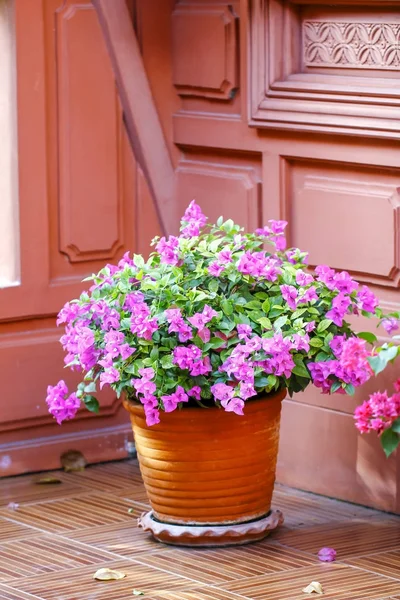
(327, 554)
(390, 324)
(215, 269)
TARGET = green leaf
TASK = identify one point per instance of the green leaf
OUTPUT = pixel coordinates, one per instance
(213, 285)
(253, 305)
(166, 361)
(300, 368)
(215, 342)
(396, 425)
(264, 322)
(389, 440)
(261, 295)
(138, 260)
(297, 313)
(336, 386)
(154, 353)
(90, 387)
(227, 307)
(316, 342)
(255, 315)
(276, 311)
(261, 381)
(368, 337)
(376, 364)
(279, 323)
(379, 362)
(91, 403)
(350, 389)
(266, 305)
(228, 225)
(324, 324)
(321, 356)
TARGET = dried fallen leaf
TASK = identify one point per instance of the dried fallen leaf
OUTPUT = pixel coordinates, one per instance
(137, 593)
(314, 587)
(131, 511)
(108, 574)
(48, 480)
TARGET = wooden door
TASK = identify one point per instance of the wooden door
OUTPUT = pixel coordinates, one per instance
(290, 109)
(80, 195)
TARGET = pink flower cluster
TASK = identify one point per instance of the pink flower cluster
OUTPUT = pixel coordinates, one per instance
(259, 265)
(193, 220)
(60, 405)
(351, 366)
(190, 357)
(226, 396)
(379, 411)
(218, 266)
(200, 320)
(141, 322)
(169, 250)
(178, 325)
(275, 233)
(145, 389)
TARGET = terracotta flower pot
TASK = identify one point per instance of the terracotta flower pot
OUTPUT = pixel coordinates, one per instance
(207, 466)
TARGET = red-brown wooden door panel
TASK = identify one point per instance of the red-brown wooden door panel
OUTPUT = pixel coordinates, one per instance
(80, 193)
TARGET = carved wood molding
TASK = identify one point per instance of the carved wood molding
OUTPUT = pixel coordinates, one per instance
(351, 45)
(287, 92)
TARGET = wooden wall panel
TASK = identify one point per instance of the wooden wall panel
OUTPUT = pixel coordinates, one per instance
(80, 203)
(225, 186)
(89, 140)
(205, 45)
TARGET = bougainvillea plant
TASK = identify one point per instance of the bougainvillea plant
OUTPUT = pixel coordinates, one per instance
(216, 316)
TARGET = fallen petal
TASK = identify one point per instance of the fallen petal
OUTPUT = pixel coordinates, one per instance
(327, 554)
(137, 593)
(13, 506)
(314, 588)
(108, 574)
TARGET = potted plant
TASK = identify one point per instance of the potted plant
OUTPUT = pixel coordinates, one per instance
(203, 340)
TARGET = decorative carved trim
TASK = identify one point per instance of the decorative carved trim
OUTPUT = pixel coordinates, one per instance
(351, 45)
(284, 97)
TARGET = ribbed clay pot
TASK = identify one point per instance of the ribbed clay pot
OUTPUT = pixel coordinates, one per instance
(208, 466)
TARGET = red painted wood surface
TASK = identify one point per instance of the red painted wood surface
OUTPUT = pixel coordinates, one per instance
(81, 195)
(257, 127)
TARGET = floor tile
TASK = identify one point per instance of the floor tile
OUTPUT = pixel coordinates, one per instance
(7, 593)
(14, 531)
(339, 582)
(78, 584)
(45, 554)
(75, 513)
(348, 538)
(225, 564)
(385, 563)
(25, 489)
(124, 539)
